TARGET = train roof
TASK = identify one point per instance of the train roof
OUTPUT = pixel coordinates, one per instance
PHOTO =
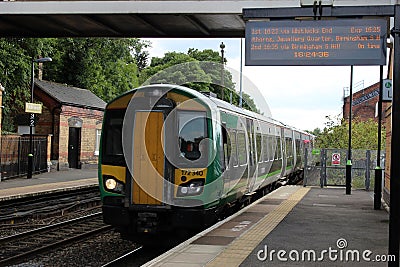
(212, 102)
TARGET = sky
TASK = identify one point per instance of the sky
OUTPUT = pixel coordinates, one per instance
(299, 96)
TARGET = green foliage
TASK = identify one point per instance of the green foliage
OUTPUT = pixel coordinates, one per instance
(202, 69)
(107, 67)
(336, 135)
(15, 64)
(316, 131)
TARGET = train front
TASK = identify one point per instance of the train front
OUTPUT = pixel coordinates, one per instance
(158, 168)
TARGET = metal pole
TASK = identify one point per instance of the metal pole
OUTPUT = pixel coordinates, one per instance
(394, 223)
(241, 74)
(31, 120)
(378, 169)
(222, 46)
(348, 164)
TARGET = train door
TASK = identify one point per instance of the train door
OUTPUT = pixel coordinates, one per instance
(252, 154)
(148, 158)
(226, 156)
(298, 150)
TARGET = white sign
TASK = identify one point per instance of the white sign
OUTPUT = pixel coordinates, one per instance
(387, 93)
(335, 158)
(33, 108)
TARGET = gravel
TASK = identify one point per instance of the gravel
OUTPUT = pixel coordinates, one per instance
(95, 251)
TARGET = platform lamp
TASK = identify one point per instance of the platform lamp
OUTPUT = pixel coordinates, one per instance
(32, 115)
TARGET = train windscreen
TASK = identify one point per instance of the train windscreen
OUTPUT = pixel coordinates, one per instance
(112, 138)
(192, 130)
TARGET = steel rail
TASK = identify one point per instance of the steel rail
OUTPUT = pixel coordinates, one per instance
(21, 246)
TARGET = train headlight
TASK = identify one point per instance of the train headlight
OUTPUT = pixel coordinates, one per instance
(111, 184)
(191, 188)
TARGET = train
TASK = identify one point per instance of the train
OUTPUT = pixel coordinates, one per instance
(173, 160)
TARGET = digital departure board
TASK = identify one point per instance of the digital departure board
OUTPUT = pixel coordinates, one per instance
(316, 42)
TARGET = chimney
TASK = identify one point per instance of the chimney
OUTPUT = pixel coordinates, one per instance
(40, 71)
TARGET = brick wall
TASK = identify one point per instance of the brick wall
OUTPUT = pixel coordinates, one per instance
(386, 189)
(91, 120)
(1, 109)
(48, 124)
(364, 102)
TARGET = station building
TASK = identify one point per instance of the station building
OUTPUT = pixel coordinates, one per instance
(364, 104)
(364, 108)
(73, 117)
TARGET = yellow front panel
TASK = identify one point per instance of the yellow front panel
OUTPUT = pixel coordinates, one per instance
(186, 175)
(148, 162)
(116, 171)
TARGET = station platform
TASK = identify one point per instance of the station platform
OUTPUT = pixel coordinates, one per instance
(292, 226)
(47, 182)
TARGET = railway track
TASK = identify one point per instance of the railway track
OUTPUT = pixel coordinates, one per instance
(20, 247)
(47, 205)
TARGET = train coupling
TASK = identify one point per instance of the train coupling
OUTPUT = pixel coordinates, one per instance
(147, 222)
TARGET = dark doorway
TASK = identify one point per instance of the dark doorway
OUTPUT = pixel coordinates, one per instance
(74, 147)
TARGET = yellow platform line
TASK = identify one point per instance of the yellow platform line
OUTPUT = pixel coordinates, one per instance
(241, 248)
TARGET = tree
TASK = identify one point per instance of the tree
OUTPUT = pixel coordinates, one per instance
(201, 68)
(140, 55)
(16, 56)
(336, 135)
(317, 131)
(106, 66)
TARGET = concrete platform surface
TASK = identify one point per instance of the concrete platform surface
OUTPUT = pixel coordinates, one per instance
(293, 226)
(342, 230)
(49, 181)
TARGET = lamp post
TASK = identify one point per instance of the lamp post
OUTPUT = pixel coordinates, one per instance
(32, 115)
(348, 164)
(222, 46)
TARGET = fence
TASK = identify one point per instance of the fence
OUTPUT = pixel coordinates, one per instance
(327, 167)
(14, 155)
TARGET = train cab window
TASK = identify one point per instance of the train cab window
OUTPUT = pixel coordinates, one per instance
(241, 147)
(114, 134)
(112, 138)
(192, 130)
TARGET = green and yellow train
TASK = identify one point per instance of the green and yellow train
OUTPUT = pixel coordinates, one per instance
(173, 159)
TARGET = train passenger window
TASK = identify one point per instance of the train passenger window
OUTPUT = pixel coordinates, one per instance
(272, 144)
(259, 147)
(241, 147)
(192, 130)
(234, 157)
(278, 153)
(289, 147)
(299, 149)
(266, 148)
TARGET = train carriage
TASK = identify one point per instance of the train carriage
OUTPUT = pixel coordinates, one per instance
(174, 159)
